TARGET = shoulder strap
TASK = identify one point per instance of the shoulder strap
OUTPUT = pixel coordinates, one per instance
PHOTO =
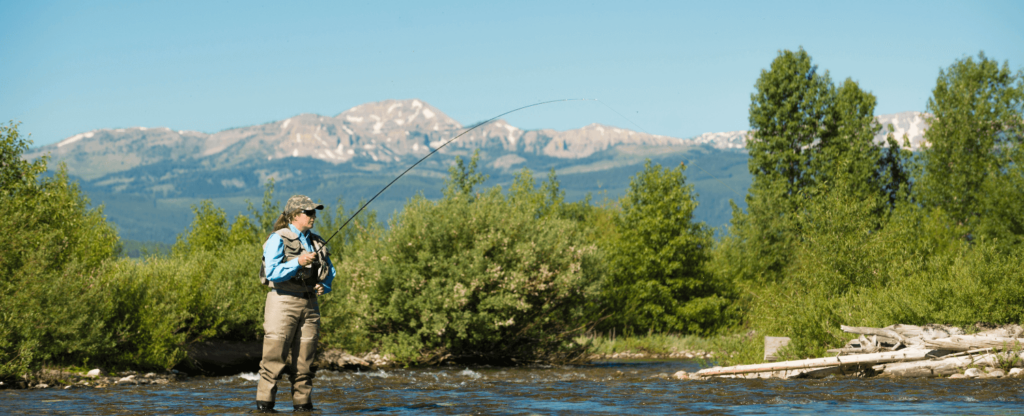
(314, 237)
(287, 233)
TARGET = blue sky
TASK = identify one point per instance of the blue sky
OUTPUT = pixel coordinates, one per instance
(673, 68)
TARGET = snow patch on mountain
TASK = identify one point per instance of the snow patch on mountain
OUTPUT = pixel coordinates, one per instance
(71, 139)
(911, 123)
(724, 140)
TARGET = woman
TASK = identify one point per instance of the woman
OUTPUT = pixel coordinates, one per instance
(297, 268)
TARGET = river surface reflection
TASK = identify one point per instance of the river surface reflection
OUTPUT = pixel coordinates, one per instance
(614, 388)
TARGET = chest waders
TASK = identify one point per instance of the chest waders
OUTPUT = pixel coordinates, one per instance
(291, 322)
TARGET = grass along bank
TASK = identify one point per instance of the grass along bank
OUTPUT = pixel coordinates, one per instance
(659, 346)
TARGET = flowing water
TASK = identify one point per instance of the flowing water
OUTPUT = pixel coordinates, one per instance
(614, 388)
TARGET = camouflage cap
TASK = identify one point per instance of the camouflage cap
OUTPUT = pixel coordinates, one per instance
(301, 202)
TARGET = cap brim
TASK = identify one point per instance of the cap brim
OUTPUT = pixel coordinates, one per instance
(319, 207)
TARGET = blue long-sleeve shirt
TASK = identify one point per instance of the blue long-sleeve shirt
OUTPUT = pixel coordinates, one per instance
(278, 270)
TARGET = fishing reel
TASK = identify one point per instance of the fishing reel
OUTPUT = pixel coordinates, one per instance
(309, 275)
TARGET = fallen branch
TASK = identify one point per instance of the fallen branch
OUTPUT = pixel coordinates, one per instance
(882, 332)
(863, 359)
(819, 372)
(970, 342)
(933, 368)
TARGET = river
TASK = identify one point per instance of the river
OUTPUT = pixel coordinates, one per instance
(612, 388)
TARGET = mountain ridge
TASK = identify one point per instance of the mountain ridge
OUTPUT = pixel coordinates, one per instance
(138, 171)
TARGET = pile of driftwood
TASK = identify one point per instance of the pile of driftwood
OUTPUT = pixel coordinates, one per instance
(900, 351)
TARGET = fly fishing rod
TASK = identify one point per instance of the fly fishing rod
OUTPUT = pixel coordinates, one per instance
(435, 151)
(474, 127)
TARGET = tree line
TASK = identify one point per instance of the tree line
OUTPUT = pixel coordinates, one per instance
(837, 230)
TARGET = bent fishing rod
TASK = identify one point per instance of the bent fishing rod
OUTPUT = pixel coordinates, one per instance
(435, 151)
(474, 127)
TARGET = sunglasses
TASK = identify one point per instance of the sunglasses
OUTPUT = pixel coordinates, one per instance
(310, 212)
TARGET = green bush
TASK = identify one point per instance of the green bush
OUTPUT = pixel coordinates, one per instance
(475, 277)
(342, 311)
(51, 305)
(66, 299)
(171, 302)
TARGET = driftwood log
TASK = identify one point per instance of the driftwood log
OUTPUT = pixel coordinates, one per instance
(819, 372)
(883, 332)
(815, 363)
(897, 350)
(972, 342)
(934, 368)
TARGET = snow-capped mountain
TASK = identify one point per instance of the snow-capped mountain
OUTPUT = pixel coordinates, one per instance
(374, 135)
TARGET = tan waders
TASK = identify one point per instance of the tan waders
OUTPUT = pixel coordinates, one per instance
(292, 325)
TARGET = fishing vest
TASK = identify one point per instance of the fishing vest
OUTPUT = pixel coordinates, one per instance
(306, 277)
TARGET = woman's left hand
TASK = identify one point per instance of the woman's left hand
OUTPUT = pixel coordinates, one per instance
(319, 289)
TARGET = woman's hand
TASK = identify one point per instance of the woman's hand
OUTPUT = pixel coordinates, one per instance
(319, 289)
(306, 259)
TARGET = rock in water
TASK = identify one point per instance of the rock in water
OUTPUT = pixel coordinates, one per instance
(93, 373)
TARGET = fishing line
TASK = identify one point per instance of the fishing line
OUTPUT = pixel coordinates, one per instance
(645, 131)
(474, 127)
(441, 147)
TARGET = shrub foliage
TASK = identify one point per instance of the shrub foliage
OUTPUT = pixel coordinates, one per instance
(475, 276)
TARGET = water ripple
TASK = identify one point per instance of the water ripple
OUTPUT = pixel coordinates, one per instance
(608, 388)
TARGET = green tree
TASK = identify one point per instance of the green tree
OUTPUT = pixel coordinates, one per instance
(851, 154)
(791, 116)
(806, 136)
(974, 131)
(656, 266)
(463, 178)
(269, 209)
(790, 113)
(208, 232)
(15, 173)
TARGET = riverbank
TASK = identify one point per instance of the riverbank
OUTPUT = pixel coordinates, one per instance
(241, 357)
(95, 378)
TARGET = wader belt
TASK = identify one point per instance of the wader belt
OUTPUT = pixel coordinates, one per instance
(305, 295)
